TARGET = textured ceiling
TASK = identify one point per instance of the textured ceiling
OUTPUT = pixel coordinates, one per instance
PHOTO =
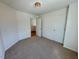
(28, 5)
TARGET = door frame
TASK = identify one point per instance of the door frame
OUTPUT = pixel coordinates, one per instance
(39, 17)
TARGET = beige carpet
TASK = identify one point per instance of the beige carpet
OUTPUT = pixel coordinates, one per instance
(39, 48)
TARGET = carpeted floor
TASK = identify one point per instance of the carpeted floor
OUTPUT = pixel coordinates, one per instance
(39, 48)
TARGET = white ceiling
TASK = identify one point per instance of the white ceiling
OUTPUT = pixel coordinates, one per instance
(28, 5)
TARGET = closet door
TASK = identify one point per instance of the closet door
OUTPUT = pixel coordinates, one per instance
(39, 26)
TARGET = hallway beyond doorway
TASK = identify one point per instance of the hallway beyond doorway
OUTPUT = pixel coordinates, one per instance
(33, 33)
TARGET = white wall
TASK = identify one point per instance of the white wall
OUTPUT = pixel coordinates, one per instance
(8, 25)
(38, 26)
(24, 26)
(53, 25)
(1, 48)
(33, 21)
(71, 35)
(14, 25)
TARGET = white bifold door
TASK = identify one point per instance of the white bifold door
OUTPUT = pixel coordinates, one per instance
(39, 26)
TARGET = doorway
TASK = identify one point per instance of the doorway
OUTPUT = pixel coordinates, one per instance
(36, 26)
(33, 27)
(33, 31)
